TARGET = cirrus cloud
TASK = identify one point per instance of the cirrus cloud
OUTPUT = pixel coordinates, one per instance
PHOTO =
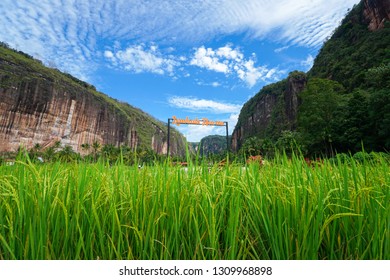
(69, 32)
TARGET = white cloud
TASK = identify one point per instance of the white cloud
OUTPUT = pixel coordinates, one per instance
(69, 32)
(228, 53)
(203, 105)
(108, 54)
(207, 58)
(212, 84)
(308, 63)
(279, 50)
(227, 60)
(138, 59)
(250, 74)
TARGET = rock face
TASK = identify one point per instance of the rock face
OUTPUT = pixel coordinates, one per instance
(213, 144)
(39, 108)
(376, 12)
(275, 107)
(269, 112)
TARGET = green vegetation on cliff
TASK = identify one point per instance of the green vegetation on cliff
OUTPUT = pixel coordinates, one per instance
(213, 144)
(271, 112)
(358, 60)
(249, 107)
(354, 54)
(17, 68)
(346, 103)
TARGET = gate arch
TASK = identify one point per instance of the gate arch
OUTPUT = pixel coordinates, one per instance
(203, 121)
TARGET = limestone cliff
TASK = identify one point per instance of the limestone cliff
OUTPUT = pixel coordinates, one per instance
(360, 43)
(271, 111)
(213, 144)
(42, 106)
(376, 12)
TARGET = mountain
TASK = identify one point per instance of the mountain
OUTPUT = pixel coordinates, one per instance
(341, 103)
(213, 144)
(40, 105)
(271, 111)
(361, 42)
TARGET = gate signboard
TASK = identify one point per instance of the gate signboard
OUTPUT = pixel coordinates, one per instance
(203, 122)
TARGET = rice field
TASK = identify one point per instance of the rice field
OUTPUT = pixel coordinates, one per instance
(283, 210)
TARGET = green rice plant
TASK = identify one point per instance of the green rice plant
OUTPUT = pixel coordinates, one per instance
(285, 209)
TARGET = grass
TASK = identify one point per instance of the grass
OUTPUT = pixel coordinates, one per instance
(282, 210)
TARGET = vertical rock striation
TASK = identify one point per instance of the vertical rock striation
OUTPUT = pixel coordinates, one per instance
(376, 12)
(43, 107)
(271, 111)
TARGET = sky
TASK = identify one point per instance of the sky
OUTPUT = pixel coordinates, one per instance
(183, 58)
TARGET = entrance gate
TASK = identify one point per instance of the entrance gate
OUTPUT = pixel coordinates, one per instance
(196, 121)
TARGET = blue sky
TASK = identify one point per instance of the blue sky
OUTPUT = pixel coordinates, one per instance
(201, 59)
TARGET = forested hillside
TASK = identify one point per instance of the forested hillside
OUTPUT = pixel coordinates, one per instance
(343, 103)
(347, 100)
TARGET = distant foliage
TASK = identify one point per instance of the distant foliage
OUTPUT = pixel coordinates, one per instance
(213, 144)
(290, 142)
